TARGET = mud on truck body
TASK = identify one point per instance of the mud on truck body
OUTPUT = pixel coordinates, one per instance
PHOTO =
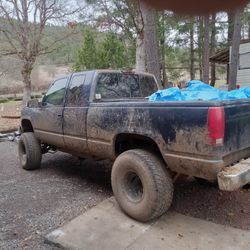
(105, 114)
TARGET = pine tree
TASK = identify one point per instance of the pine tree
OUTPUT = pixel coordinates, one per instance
(87, 55)
(111, 53)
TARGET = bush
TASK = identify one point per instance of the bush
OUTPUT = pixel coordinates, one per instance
(18, 98)
(3, 100)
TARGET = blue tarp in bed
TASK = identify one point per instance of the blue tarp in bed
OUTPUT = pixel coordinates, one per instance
(199, 91)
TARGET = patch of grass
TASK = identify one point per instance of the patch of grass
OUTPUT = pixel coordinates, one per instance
(4, 100)
(18, 99)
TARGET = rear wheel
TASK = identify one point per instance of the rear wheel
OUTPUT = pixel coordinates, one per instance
(30, 154)
(142, 185)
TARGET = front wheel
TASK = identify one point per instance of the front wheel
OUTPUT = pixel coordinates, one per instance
(30, 153)
(141, 185)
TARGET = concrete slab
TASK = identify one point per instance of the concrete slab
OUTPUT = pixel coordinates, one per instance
(106, 227)
(176, 231)
(102, 227)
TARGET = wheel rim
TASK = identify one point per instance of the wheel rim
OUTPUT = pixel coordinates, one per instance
(23, 155)
(133, 187)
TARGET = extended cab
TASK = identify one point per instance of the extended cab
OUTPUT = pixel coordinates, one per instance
(106, 114)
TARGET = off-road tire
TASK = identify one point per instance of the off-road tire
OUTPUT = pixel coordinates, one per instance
(29, 150)
(142, 185)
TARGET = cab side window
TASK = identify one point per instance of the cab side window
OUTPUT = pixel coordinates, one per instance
(55, 94)
(74, 95)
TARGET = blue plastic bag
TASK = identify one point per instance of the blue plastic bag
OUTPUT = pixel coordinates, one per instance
(171, 94)
(199, 91)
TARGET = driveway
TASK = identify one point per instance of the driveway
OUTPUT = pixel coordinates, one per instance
(32, 204)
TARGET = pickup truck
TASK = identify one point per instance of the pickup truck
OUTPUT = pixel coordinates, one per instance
(106, 114)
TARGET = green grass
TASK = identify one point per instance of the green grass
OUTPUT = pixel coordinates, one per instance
(4, 100)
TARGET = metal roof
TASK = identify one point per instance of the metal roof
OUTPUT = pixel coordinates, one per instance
(222, 57)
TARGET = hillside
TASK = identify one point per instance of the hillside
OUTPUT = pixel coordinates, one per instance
(47, 66)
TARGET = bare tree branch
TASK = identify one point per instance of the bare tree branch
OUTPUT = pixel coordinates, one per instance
(22, 26)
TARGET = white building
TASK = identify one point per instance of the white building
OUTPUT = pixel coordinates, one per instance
(243, 75)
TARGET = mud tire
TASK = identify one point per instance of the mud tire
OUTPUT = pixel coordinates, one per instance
(142, 185)
(29, 150)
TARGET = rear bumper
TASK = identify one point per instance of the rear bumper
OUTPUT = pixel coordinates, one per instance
(235, 177)
(198, 167)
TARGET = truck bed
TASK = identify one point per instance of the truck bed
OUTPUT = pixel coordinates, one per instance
(179, 128)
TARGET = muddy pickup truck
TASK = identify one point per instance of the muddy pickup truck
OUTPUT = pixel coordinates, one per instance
(106, 115)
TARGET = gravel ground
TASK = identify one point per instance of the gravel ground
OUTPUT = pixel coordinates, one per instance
(32, 204)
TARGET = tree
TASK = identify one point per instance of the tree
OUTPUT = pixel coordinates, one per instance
(87, 55)
(151, 41)
(22, 28)
(125, 17)
(162, 30)
(111, 53)
(206, 49)
(236, 39)
(138, 22)
(192, 52)
(212, 51)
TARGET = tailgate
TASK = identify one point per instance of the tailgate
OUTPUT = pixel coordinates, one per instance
(237, 131)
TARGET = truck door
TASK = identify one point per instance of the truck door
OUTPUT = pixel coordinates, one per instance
(48, 118)
(74, 115)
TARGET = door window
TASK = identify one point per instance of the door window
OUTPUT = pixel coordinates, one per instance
(75, 91)
(55, 94)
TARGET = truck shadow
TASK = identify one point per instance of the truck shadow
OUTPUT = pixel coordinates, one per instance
(191, 197)
(88, 170)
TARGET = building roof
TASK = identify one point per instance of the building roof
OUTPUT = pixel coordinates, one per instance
(223, 56)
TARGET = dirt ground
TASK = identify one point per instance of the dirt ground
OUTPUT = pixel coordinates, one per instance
(12, 111)
(32, 204)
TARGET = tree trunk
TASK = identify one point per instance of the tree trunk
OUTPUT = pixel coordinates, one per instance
(206, 50)
(26, 74)
(140, 53)
(192, 69)
(213, 45)
(231, 19)
(234, 62)
(163, 52)
(151, 41)
(200, 43)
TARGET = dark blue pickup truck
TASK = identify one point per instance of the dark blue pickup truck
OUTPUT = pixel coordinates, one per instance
(106, 114)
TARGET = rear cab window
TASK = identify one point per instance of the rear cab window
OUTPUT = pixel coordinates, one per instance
(124, 85)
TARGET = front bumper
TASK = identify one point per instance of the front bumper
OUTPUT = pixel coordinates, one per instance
(235, 177)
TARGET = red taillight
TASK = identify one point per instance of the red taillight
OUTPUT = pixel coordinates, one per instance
(216, 125)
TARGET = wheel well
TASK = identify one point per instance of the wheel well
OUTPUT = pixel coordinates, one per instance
(126, 142)
(27, 126)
